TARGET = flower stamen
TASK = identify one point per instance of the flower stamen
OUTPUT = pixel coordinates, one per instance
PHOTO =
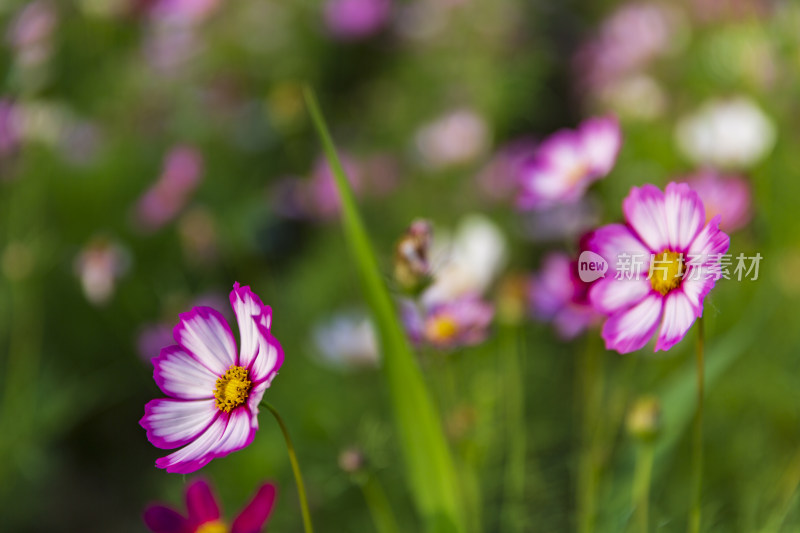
(232, 388)
(441, 328)
(212, 527)
(666, 271)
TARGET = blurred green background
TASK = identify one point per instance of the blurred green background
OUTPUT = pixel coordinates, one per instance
(96, 95)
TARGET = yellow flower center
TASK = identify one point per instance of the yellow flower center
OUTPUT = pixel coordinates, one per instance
(231, 391)
(212, 527)
(441, 328)
(666, 271)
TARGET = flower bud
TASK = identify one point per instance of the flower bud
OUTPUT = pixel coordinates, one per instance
(644, 418)
(411, 266)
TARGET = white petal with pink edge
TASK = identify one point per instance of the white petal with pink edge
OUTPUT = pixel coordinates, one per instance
(269, 359)
(629, 330)
(250, 314)
(645, 212)
(179, 374)
(613, 240)
(695, 287)
(610, 295)
(679, 315)
(171, 423)
(685, 215)
(709, 244)
(204, 332)
(228, 433)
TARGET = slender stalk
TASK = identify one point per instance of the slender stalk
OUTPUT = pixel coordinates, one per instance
(697, 447)
(378, 505)
(298, 477)
(430, 467)
(591, 390)
(641, 485)
(514, 490)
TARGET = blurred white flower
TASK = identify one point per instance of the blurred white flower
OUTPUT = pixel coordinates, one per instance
(732, 133)
(347, 340)
(468, 262)
(453, 139)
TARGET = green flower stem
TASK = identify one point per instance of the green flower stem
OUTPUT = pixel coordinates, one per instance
(697, 447)
(591, 390)
(298, 477)
(514, 392)
(430, 467)
(641, 485)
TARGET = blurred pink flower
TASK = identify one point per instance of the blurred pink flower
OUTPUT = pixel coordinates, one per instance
(9, 128)
(356, 19)
(213, 392)
(151, 338)
(183, 11)
(183, 167)
(557, 295)
(317, 198)
(461, 322)
(631, 37)
(30, 33)
(455, 138)
(567, 162)
(323, 196)
(499, 178)
(99, 265)
(668, 230)
(724, 195)
(204, 515)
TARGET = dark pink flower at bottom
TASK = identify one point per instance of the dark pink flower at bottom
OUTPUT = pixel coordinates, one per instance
(204, 516)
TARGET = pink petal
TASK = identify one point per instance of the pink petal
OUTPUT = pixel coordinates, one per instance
(269, 358)
(613, 240)
(710, 243)
(250, 312)
(679, 315)
(160, 519)
(602, 139)
(645, 212)
(200, 503)
(629, 330)
(685, 215)
(171, 423)
(228, 433)
(255, 515)
(253, 401)
(573, 320)
(695, 288)
(204, 333)
(179, 374)
(610, 295)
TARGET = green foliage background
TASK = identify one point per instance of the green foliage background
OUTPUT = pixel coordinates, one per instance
(72, 455)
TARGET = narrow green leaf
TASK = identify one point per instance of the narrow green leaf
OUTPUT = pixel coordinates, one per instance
(430, 466)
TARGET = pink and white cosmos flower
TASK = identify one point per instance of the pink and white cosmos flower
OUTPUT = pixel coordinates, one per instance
(669, 230)
(212, 408)
(567, 162)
